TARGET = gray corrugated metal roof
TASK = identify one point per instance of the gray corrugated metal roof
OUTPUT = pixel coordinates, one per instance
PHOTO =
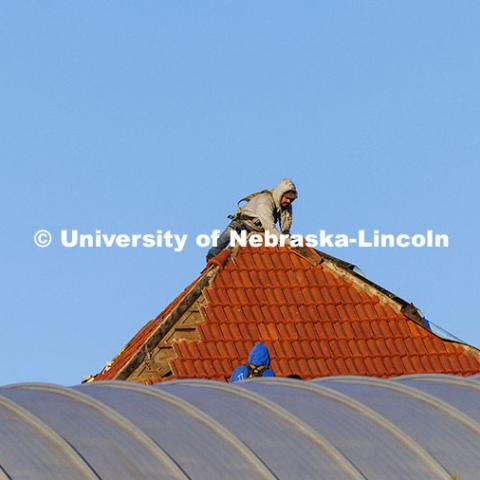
(421, 426)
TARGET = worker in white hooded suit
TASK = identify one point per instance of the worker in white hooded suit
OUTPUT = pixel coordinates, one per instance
(261, 213)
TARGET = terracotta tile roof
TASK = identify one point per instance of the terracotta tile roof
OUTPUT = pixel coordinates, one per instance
(138, 341)
(315, 315)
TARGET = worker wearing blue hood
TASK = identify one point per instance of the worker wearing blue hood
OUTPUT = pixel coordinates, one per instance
(258, 365)
(261, 213)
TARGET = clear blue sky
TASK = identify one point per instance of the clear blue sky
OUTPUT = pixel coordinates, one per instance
(136, 116)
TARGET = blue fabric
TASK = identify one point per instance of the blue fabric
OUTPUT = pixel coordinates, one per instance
(258, 356)
(239, 374)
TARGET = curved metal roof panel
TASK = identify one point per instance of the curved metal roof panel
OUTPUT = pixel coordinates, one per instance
(191, 438)
(440, 386)
(446, 432)
(257, 422)
(366, 438)
(28, 444)
(112, 446)
(422, 426)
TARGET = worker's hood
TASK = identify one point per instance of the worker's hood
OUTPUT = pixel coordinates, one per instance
(259, 355)
(284, 185)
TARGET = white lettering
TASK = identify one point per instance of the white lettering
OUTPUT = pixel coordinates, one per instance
(311, 240)
(419, 241)
(214, 237)
(203, 240)
(271, 240)
(123, 240)
(148, 240)
(387, 240)
(238, 239)
(441, 240)
(64, 238)
(255, 240)
(341, 240)
(180, 241)
(362, 243)
(296, 240)
(403, 241)
(325, 240)
(135, 239)
(109, 240)
(177, 242)
(85, 240)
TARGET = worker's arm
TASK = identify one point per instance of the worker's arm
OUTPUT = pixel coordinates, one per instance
(286, 220)
(264, 212)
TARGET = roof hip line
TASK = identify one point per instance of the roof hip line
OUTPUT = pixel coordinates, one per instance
(168, 322)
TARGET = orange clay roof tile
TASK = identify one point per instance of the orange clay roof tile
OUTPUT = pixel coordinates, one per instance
(315, 319)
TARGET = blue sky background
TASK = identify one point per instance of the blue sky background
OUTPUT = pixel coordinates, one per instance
(137, 116)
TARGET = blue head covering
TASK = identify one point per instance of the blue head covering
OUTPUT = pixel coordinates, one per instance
(259, 355)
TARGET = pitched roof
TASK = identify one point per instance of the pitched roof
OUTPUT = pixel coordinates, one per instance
(314, 313)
